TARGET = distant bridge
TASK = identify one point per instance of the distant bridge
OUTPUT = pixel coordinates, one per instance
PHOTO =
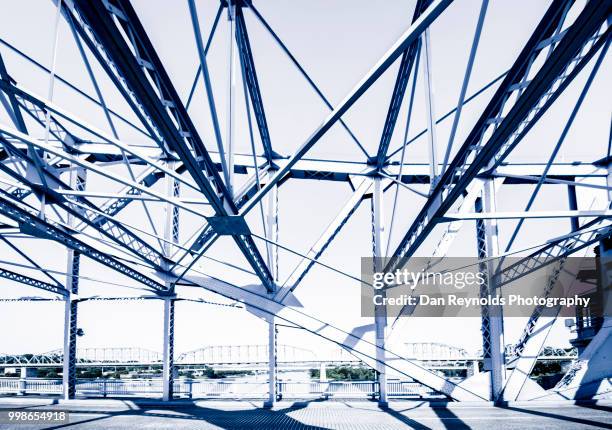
(216, 356)
(253, 357)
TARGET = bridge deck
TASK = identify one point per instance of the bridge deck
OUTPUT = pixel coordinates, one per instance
(317, 415)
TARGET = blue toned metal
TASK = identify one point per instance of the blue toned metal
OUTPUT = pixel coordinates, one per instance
(92, 77)
(30, 223)
(207, 86)
(324, 241)
(404, 139)
(556, 250)
(199, 70)
(87, 212)
(492, 319)
(401, 82)
(208, 235)
(412, 34)
(303, 73)
(161, 108)
(481, 247)
(32, 262)
(248, 65)
(19, 122)
(573, 206)
(466, 80)
(71, 306)
(15, 111)
(229, 225)
(447, 114)
(71, 86)
(560, 141)
(32, 282)
(168, 366)
(475, 154)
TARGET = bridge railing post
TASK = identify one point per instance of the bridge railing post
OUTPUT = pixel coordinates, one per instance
(22, 381)
(189, 384)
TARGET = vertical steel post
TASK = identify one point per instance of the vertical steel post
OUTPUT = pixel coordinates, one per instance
(429, 104)
(168, 351)
(573, 206)
(171, 236)
(77, 181)
(231, 95)
(272, 362)
(380, 311)
(605, 258)
(272, 229)
(609, 178)
(492, 316)
(272, 233)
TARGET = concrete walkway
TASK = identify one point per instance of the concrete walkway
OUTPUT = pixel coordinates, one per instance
(211, 414)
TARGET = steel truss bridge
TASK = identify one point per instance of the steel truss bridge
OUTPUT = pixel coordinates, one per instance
(253, 357)
(70, 177)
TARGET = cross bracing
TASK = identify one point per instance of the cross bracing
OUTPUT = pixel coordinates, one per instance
(212, 191)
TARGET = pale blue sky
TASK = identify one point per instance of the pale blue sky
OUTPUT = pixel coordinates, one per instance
(337, 42)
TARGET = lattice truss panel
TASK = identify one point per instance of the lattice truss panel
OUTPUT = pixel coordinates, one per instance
(148, 191)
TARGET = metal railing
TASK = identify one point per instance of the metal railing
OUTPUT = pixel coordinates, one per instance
(211, 388)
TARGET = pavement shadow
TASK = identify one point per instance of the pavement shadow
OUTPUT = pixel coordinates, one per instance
(448, 418)
(227, 419)
(576, 420)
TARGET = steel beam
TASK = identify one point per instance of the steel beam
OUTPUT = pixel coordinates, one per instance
(412, 34)
(379, 238)
(401, 82)
(248, 65)
(208, 236)
(272, 362)
(38, 107)
(349, 340)
(272, 230)
(506, 132)
(492, 317)
(171, 236)
(529, 215)
(168, 350)
(31, 224)
(466, 80)
(555, 250)
(203, 68)
(77, 181)
(430, 110)
(87, 212)
(325, 240)
(138, 72)
(32, 282)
